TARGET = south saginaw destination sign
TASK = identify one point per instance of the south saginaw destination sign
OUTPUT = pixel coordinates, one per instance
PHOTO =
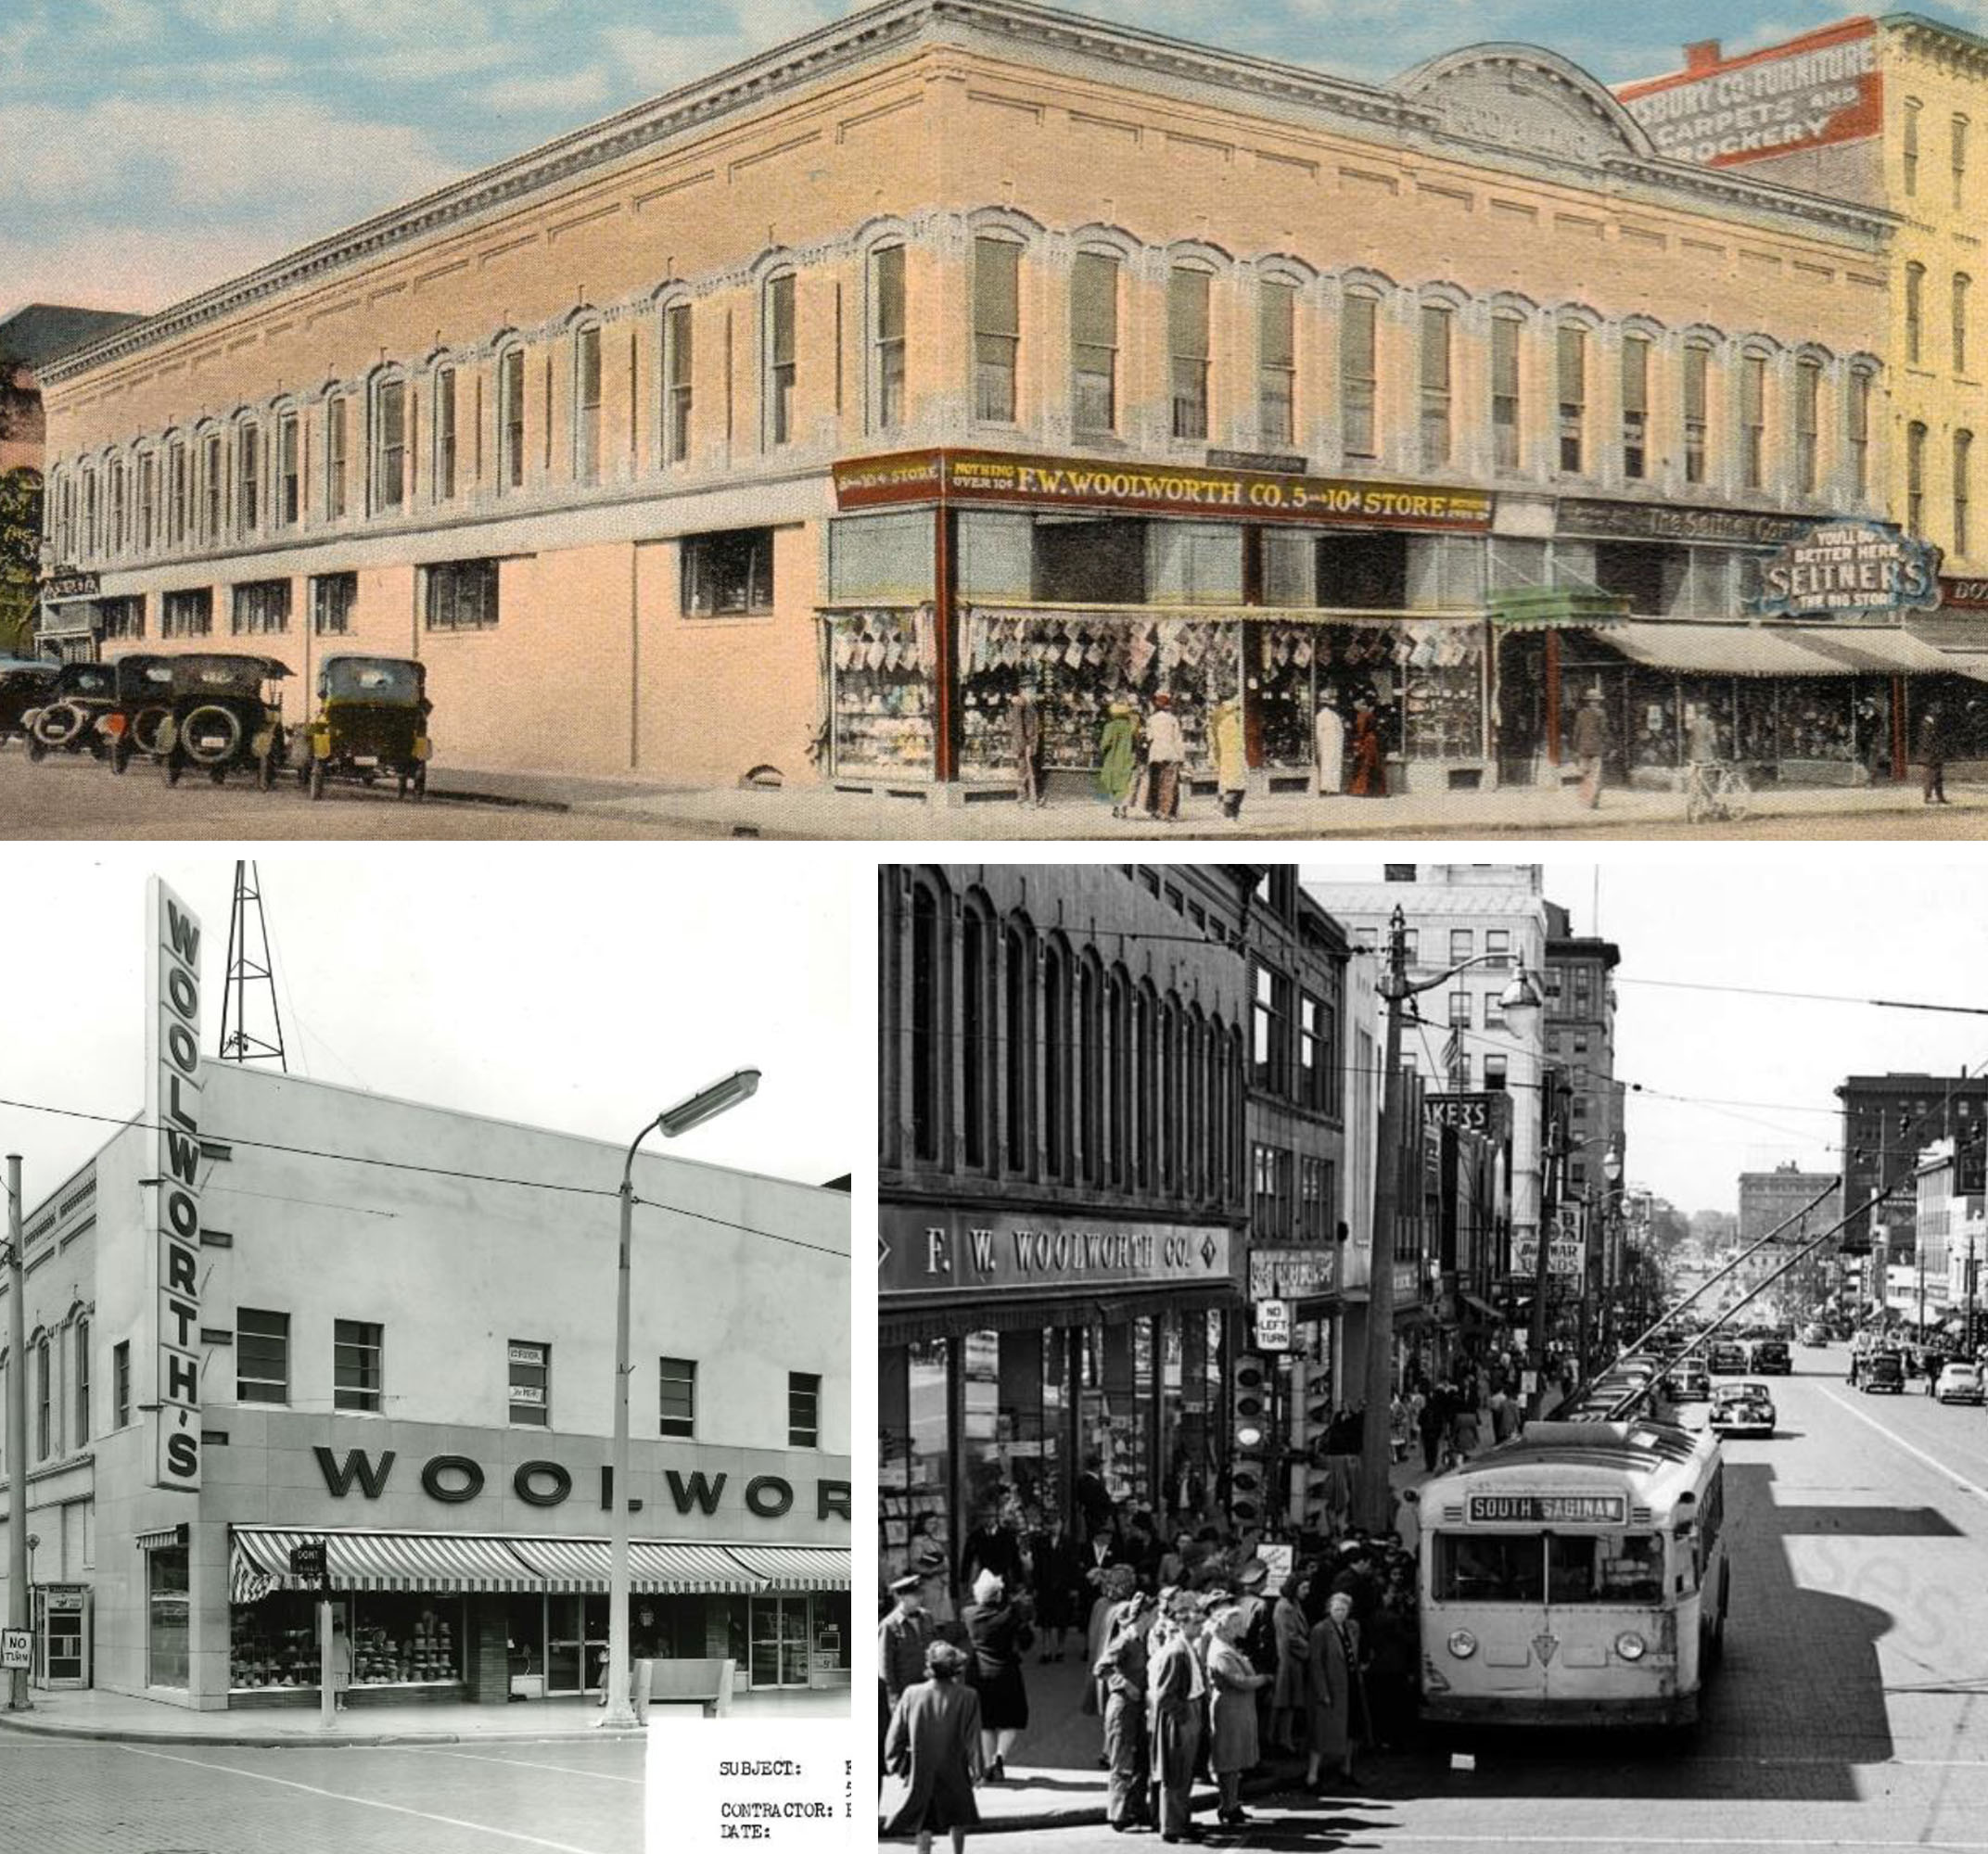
(939, 1250)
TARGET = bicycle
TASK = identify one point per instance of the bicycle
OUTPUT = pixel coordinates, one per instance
(1717, 792)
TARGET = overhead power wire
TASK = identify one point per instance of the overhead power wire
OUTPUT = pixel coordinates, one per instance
(429, 1171)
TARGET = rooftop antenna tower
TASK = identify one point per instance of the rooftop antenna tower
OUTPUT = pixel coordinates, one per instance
(247, 974)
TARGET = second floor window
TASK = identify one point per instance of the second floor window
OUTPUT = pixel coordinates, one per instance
(120, 1383)
(997, 327)
(1505, 332)
(1187, 342)
(1094, 343)
(337, 439)
(82, 1382)
(357, 1359)
(248, 478)
(289, 469)
(213, 487)
(44, 1390)
(445, 444)
(148, 502)
(1572, 374)
(886, 338)
(262, 1356)
(1436, 326)
(530, 1364)
(677, 1397)
(1916, 479)
(1635, 407)
(1277, 364)
(1697, 400)
(261, 608)
(1859, 435)
(676, 382)
(1753, 422)
(1963, 489)
(1958, 150)
(780, 360)
(1962, 285)
(804, 1410)
(390, 446)
(1909, 147)
(587, 406)
(1808, 398)
(177, 493)
(1915, 311)
(1359, 380)
(511, 419)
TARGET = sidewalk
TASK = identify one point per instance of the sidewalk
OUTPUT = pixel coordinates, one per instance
(100, 1715)
(1053, 1777)
(828, 812)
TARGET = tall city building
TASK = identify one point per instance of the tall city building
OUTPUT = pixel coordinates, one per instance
(1888, 1121)
(1800, 1205)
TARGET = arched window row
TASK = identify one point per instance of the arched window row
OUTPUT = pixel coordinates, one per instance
(1017, 1053)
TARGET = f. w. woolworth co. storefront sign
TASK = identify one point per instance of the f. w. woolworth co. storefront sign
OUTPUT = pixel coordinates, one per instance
(933, 1251)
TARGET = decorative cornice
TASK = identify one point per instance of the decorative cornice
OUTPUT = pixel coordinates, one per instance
(1969, 50)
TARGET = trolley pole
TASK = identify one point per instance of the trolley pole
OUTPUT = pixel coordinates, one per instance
(17, 1435)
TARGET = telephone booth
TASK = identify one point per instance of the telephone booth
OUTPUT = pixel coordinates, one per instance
(62, 1635)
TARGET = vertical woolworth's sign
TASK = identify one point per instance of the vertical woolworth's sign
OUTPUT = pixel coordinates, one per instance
(172, 1109)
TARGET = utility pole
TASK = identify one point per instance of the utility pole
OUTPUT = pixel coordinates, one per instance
(1376, 1447)
(1543, 1262)
(17, 1433)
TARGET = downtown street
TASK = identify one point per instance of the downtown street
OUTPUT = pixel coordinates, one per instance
(1849, 1711)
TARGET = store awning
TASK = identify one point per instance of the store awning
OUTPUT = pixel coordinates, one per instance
(656, 1568)
(1966, 663)
(1869, 650)
(797, 1566)
(1716, 650)
(389, 1560)
(161, 1537)
(1483, 1307)
(1536, 608)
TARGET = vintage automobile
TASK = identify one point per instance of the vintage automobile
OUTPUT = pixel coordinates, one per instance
(1741, 1410)
(372, 718)
(1881, 1371)
(66, 723)
(24, 685)
(1689, 1382)
(1771, 1355)
(227, 712)
(1958, 1383)
(1727, 1355)
(142, 702)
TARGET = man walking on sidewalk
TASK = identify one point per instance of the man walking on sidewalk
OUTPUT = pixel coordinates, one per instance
(1590, 746)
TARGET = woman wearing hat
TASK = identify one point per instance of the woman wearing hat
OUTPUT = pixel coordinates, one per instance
(1118, 757)
(1166, 749)
(1232, 1682)
(997, 1632)
(1231, 761)
(933, 1742)
(1177, 1692)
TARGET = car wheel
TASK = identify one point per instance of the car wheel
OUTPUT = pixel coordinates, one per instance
(206, 720)
(316, 779)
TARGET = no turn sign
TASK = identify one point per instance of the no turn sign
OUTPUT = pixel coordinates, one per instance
(1273, 1325)
(17, 1648)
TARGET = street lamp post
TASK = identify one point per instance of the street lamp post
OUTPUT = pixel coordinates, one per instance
(686, 1114)
(1521, 1004)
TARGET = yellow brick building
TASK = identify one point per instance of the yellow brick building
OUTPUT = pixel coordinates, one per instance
(798, 418)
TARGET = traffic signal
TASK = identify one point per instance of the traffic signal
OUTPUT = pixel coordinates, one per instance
(1248, 1438)
(1311, 1414)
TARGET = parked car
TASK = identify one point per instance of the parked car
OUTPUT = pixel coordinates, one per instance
(372, 718)
(1771, 1355)
(1958, 1383)
(1882, 1371)
(140, 702)
(66, 723)
(1689, 1382)
(1728, 1356)
(24, 685)
(1815, 1333)
(1741, 1410)
(225, 713)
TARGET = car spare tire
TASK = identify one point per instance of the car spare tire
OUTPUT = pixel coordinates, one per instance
(59, 724)
(210, 733)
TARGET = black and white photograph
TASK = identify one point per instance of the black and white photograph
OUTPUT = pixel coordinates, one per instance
(1432, 1355)
(427, 1353)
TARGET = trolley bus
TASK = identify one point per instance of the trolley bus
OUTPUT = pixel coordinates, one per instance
(1575, 1576)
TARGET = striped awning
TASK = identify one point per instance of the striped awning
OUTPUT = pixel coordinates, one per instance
(656, 1567)
(159, 1537)
(424, 1561)
(797, 1567)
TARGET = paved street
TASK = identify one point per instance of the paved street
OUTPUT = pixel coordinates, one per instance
(75, 1796)
(1853, 1709)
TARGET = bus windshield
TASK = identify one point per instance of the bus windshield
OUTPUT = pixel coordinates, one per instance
(1551, 1566)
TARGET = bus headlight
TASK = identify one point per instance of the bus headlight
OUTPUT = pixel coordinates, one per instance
(1464, 1645)
(1631, 1646)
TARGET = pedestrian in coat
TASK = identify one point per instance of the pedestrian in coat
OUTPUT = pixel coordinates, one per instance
(1025, 718)
(1329, 1699)
(902, 1638)
(1370, 761)
(1165, 751)
(1932, 753)
(1465, 1435)
(998, 1635)
(1115, 1583)
(1328, 744)
(1434, 1422)
(341, 1663)
(1293, 1645)
(1176, 1701)
(1059, 1589)
(934, 1744)
(1590, 746)
(1232, 758)
(991, 1545)
(1232, 1687)
(1118, 757)
(1123, 1670)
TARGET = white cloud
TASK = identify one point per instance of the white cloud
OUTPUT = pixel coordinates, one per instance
(139, 268)
(572, 95)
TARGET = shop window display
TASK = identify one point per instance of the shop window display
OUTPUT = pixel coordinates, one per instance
(397, 1641)
(883, 664)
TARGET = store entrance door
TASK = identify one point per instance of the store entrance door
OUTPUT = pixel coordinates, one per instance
(62, 1636)
(576, 1644)
(777, 1640)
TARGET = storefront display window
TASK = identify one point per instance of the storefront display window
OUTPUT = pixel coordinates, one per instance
(168, 1590)
(398, 1640)
(274, 1643)
(882, 667)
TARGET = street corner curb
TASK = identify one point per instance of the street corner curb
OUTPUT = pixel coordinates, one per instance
(271, 1741)
(500, 801)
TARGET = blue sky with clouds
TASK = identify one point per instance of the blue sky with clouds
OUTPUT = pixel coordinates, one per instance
(156, 147)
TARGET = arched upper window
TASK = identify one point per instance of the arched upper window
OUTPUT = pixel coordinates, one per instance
(1754, 420)
(1963, 491)
(509, 418)
(780, 335)
(1018, 1045)
(247, 476)
(1915, 312)
(1090, 1068)
(337, 454)
(1187, 346)
(979, 1031)
(1277, 361)
(1437, 365)
(928, 1023)
(1508, 331)
(676, 374)
(389, 452)
(287, 497)
(1963, 284)
(445, 423)
(1571, 376)
(885, 342)
(1359, 376)
(1916, 479)
(1856, 413)
(1908, 150)
(1695, 385)
(1094, 342)
(997, 326)
(587, 402)
(1056, 1054)
(91, 521)
(1807, 423)
(117, 522)
(1636, 347)
(1121, 1103)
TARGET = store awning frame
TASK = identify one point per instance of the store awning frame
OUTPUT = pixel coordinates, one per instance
(378, 1560)
(1695, 647)
(797, 1567)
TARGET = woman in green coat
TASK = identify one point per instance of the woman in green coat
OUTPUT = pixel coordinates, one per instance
(1118, 757)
